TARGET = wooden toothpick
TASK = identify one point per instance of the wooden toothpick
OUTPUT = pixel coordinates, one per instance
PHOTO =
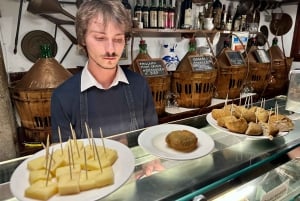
(101, 134)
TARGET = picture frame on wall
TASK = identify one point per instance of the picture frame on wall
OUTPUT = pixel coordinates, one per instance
(124, 55)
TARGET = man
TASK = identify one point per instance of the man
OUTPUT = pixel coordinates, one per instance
(103, 95)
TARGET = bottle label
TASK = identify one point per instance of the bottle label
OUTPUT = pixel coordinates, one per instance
(188, 16)
(153, 19)
(161, 22)
(146, 19)
(171, 20)
(138, 15)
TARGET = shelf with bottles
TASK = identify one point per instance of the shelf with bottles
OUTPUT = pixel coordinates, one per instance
(171, 32)
(187, 33)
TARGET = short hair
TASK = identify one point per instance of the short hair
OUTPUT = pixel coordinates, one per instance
(111, 10)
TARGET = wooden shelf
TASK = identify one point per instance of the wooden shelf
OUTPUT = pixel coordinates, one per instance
(170, 32)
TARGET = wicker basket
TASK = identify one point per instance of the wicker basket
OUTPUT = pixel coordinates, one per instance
(231, 78)
(194, 88)
(34, 110)
(259, 73)
(159, 86)
(281, 66)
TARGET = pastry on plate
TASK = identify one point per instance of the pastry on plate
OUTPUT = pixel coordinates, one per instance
(182, 140)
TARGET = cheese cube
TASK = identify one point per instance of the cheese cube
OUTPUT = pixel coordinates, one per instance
(65, 170)
(37, 163)
(67, 186)
(86, 181)
(40, 191)
(36, 175)
(104, 178)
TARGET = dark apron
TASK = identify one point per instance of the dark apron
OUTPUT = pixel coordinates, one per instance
(84, 110)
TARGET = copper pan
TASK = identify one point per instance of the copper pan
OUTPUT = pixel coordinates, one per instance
(47, 6)
(281, 23)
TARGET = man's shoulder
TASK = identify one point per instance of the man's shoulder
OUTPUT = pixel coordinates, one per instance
(71, 83)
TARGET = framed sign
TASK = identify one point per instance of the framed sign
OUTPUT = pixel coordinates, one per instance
(201, 63)
(235, 58)
(262, 56)
(152, 67)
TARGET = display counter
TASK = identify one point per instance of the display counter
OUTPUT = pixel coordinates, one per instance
(232, 157)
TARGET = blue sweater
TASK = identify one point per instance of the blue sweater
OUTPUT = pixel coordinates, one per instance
(108, 109)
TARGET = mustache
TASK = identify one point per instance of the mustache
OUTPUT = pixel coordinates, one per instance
(107, 54)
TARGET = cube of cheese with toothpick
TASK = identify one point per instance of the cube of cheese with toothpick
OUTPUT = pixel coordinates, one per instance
(40, 190)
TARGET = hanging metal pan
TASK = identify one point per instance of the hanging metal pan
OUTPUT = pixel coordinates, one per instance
(280, 25)
(47, 6)
(32, 41)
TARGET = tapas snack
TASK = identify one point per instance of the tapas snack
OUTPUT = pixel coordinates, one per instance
(182, 140)
(253, 121)
(70, 170)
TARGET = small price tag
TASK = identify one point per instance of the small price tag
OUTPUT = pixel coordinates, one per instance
(201, 63)
(152, 67)
(235, 58)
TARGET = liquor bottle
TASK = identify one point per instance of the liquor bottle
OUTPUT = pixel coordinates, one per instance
(143, 54)
(153, 15)
(138, 10)
(223, 18)
(128, 7)
(166, 11)
(217, 12)
(160, 15)
(145, 14)
(188, 21)
(171, 15)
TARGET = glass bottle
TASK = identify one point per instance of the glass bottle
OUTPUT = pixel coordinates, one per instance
(138, 10)
(160, 15)
(153, 15)
(217, 12)
(145, 14)
(171, 15)
(46, 51)
(166, 11)
(188, 21)
(143, 54)
(127, 6)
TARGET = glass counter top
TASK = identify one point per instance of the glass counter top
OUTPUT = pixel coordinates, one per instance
(232, 156)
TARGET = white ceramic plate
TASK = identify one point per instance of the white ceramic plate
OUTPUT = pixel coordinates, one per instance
(153, 141)
(214, 123)
(123, 168)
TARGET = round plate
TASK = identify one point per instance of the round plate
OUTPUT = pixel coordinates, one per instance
(214, 124)
(32, 41)
(20, 178)
(153, 141)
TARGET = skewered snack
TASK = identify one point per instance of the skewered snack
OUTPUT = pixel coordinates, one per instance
(262, 114)
(238, 126)
(222, 120)
(282, 122)
(269, 130)
(254, 129)
(217, 113)
(182, 140)
(248, 114)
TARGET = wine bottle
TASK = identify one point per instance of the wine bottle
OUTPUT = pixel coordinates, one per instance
(166, 11)
(145, 14)
(217, 12)
(153, 15)
(171, 15)
(138, 10)
(160, 15)
(127, 7)
(188, 21)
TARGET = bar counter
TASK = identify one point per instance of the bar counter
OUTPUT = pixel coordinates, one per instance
(232, 157)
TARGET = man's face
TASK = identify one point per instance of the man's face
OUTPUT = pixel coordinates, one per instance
(104, 44)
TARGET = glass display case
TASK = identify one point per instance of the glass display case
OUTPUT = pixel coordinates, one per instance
(232, 159)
